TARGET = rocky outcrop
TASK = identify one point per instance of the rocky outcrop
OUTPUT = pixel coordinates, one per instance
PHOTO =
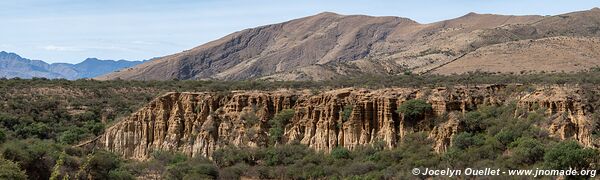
(569, 113)
(442, 135)
(197, 124)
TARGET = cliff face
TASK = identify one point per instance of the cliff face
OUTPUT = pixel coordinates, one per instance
(197, 124)
(568, 112)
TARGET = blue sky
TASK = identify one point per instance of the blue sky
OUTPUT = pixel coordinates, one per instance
(72, 30)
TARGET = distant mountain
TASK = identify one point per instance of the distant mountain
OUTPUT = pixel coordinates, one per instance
(13, 65)
(329, 45)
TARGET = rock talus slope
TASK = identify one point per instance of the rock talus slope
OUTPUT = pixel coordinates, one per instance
(197, 124)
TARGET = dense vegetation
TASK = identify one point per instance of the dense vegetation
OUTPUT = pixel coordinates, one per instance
(41, 120)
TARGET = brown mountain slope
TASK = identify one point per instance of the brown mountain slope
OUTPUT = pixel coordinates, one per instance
(554, 54)
(328, 45)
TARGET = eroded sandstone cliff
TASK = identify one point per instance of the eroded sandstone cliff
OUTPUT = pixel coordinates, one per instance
(568, 112)
(197, 124)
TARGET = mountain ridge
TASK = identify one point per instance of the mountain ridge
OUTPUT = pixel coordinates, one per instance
(329, 45)
(13, 65)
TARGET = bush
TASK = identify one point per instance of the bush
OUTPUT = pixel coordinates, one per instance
(168, 158)
(36, 157)
(527, 150)
(285, 155)
(101, 165)
(39, 130)
(414, 108)
(230, 155)
(474, 122)
(234, 172)
(120, 174)
(195, 168)
(96, 128)
(359, 168)
(465, 140)
(73, 135)
(346, 112)
(11, 170)
(569, 154)
(340, 153)
(506, 136)
(278, 124)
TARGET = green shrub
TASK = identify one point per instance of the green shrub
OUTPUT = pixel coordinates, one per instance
(527, 150)
(102, 163)
(195, 168)
(346, 112)
(36, 157)
(507, 136)
(230, 155)
(569, 154)
(340, 153)
(278, 124)
(359, 168)
(234, 171)
(73, 135)
(39, 130)
(465, 140)
(169, 158)
(96, 128)
(285, 155)
(474, 122)
(120, 174)
(414, 108)
(11, 170)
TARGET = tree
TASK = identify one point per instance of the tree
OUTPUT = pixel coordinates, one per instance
(278, 124)
(73, 135)
(11, 170)
(527, 150)
(507, 135)
(569, 154)
(414, 108)
(36, 157)
(102, 163)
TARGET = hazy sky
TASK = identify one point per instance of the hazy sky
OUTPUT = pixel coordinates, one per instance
(72, 30)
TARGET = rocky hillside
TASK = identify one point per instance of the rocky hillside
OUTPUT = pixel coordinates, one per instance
(328, 45)
(197, 124)
(13, 65)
